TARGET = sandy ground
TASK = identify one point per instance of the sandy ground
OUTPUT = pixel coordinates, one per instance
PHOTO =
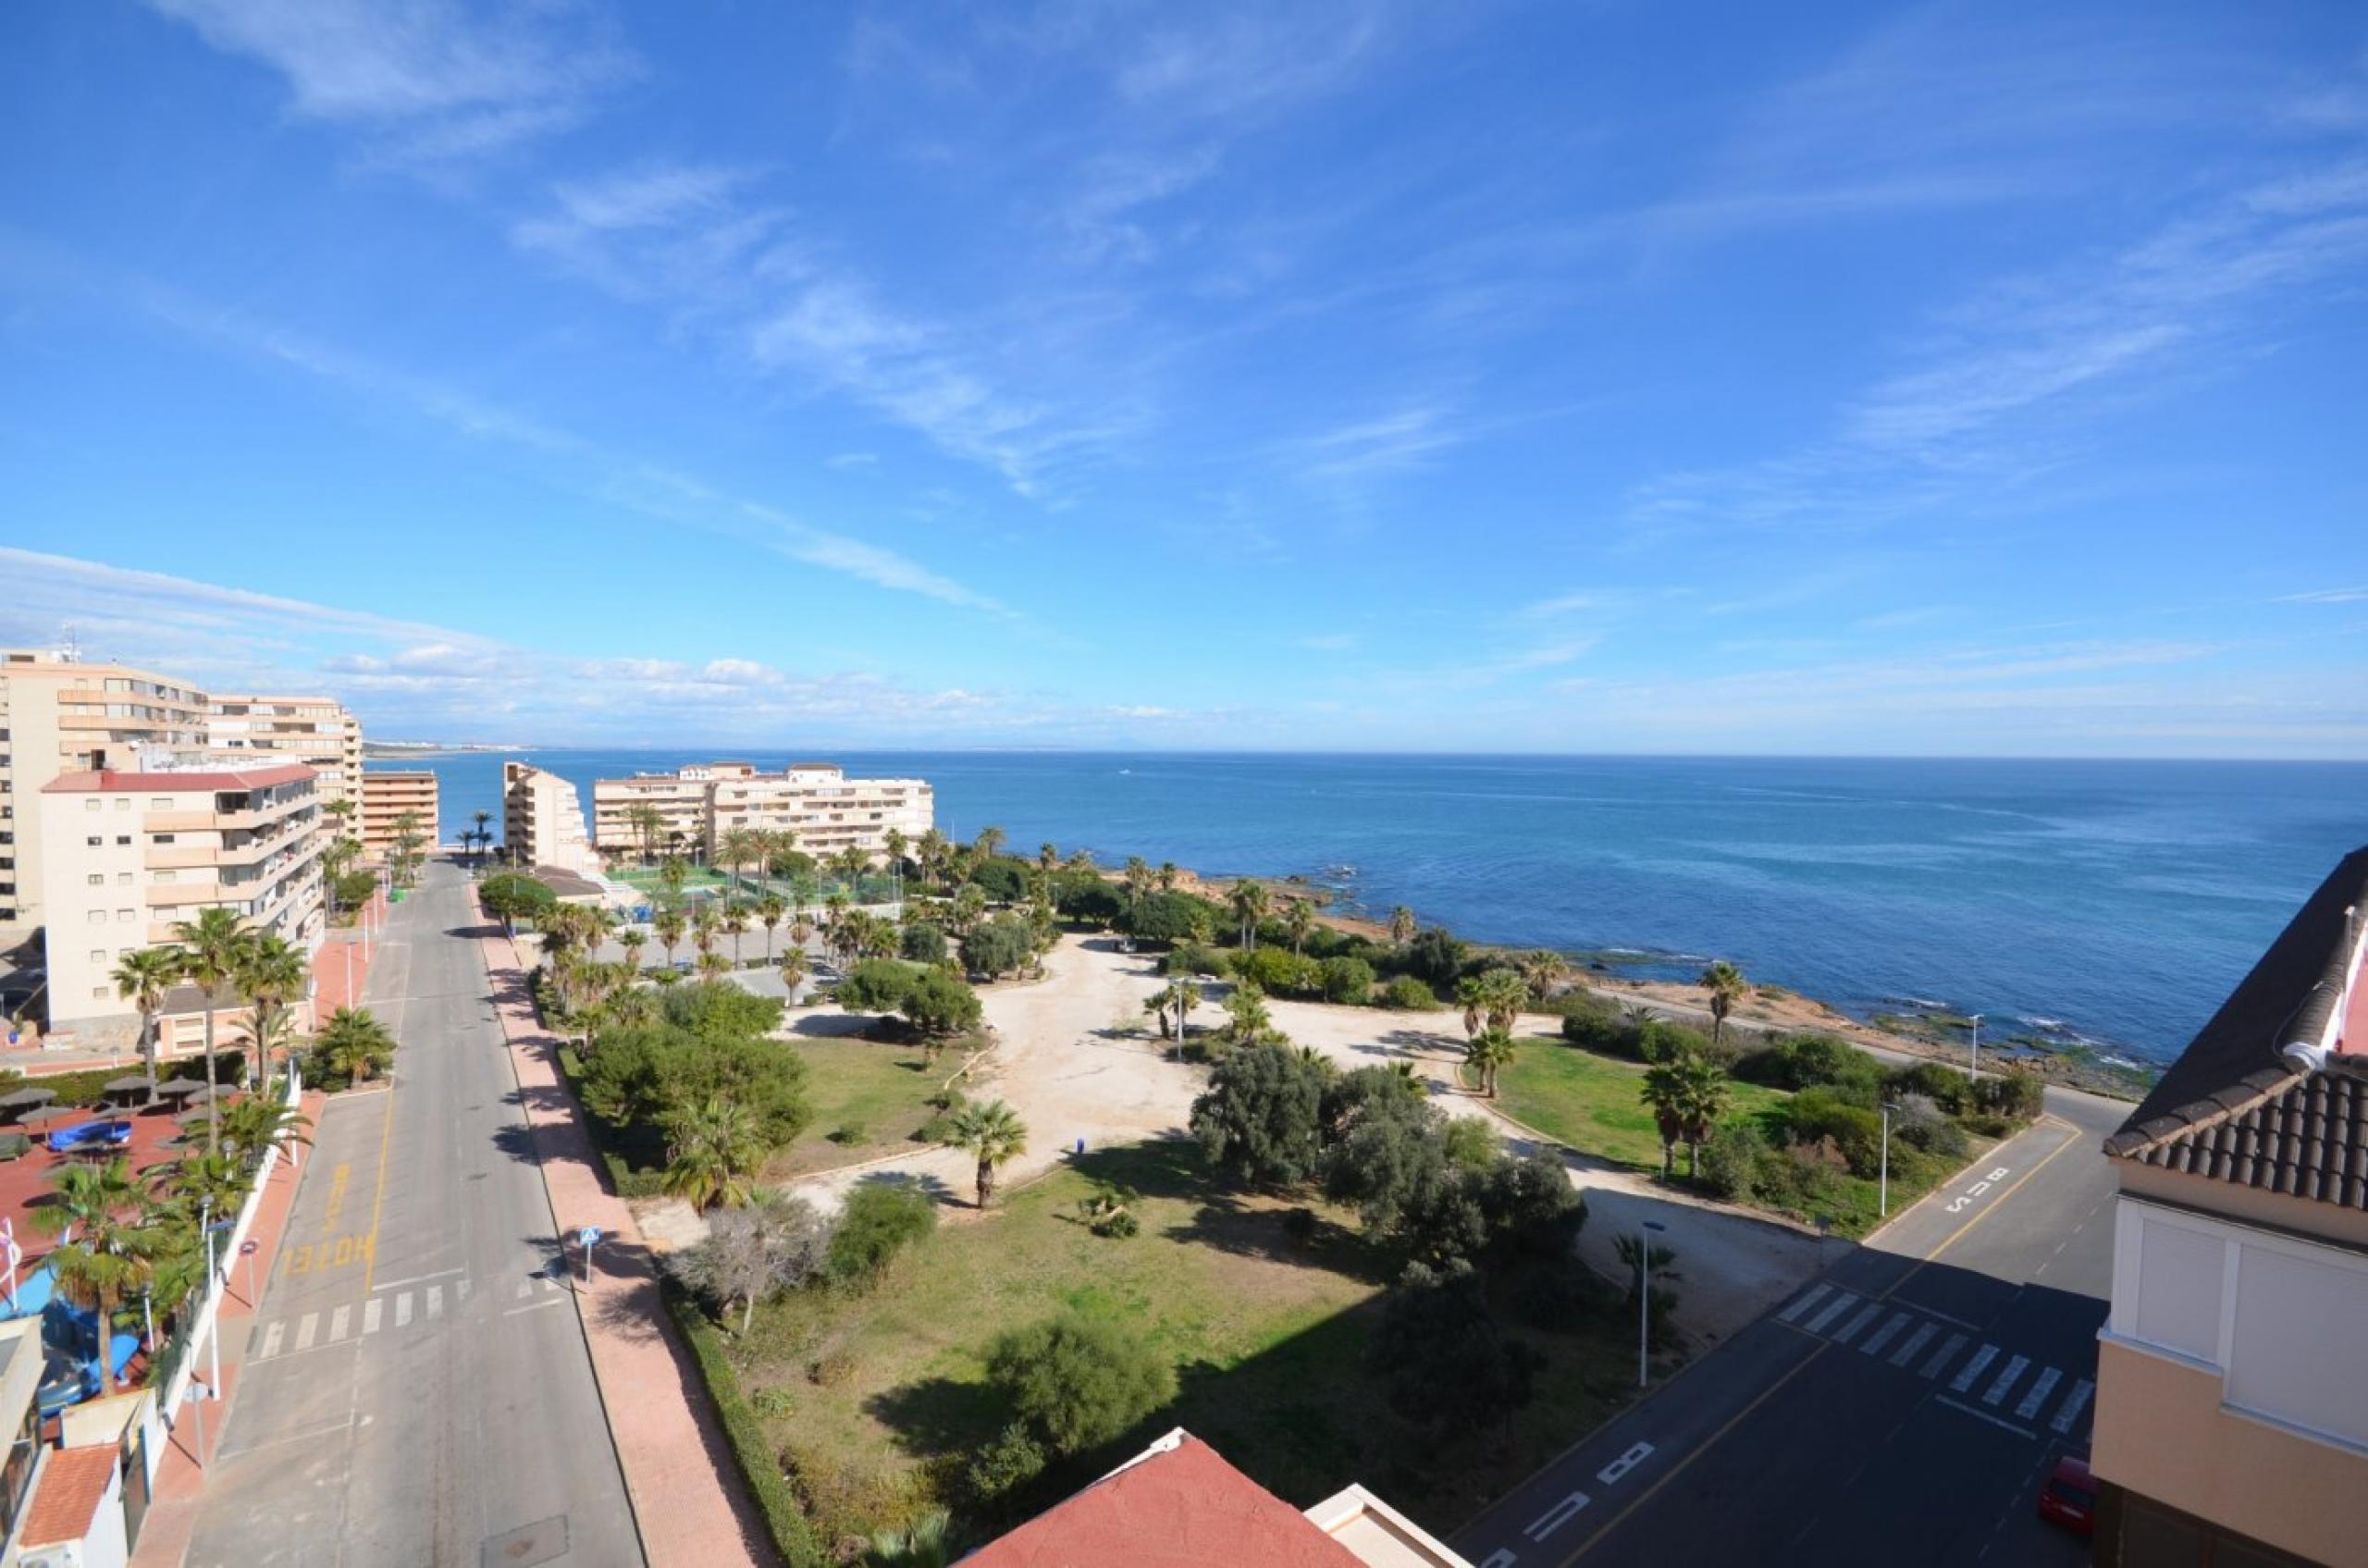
(1076, 1058)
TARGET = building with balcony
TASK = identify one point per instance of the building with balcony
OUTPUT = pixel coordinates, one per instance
(126, 855)
(388, 796)
(2232, 1383)
(697, 806)
(542, 821)
(61, 715)
(315, 731)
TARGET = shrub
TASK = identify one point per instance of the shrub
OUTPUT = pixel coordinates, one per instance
(1189, 958)
(1818, 1115)
(1170, 918)
(880, 1219)
(876, 986)
(1598, 1031)
(940, 1003)
(2016, 1095)
(1409, 995)
(774, 1403)
(1942, 1140)
(922, 943)
(1078, 1381)
(1278, 970)
(1814, 1061)
(1000, 947)
(1011, 1459)
(1471, 1144)
(751, 1450)
(1730, 1160)
(848, 1134)
(1347, 979)
(1448, 1368)
(1946, 1087)
(1258, 1120)
(1435, 955)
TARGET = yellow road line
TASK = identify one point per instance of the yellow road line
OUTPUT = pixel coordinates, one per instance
(386, 1141)
(1699, 1450)
(1995, 1204)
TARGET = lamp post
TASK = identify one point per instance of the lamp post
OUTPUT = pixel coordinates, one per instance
(1976, 1070)
(1645, 1299)
(1882, 1201)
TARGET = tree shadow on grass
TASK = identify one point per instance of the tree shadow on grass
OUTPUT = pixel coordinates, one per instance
(938, 1416)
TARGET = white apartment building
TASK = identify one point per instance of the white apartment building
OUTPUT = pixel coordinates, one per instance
(130, 854)
(816, 802)
(542, 821)
(315, 731)
(59, 714)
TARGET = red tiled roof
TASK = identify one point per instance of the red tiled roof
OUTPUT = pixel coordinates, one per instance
(1183, 1507)
(111, 781)
(71, 1484)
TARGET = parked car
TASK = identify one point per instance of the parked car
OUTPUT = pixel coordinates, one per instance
(2069, 1499)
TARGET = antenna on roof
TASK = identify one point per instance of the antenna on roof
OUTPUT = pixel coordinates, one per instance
(69, 646)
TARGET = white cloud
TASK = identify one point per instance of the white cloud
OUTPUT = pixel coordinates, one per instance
(2329, 596)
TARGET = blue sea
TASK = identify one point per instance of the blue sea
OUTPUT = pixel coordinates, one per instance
(2107, 903)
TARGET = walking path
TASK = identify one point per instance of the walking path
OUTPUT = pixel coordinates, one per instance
(678, 1466)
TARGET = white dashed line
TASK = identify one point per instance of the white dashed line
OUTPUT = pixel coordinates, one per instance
(338, 1320)
(2074, 1403)
(1849, 1330)
(1942, 1358)
(1884, 1335)
(1972, 1369)
(1915, 1342)
(1841, 1304)
(370, 1316)
(1814, 1294)
(305, 1327)
(2006, 1379)
(2040, 1387)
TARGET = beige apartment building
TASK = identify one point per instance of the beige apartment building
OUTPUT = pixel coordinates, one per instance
(389, 795)
(315, 731)
(129, 854)
(2232, 1377)
(826, 811)
(59, 714)
(542, 821)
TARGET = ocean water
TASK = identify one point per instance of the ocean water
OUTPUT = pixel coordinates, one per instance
(2114, 903)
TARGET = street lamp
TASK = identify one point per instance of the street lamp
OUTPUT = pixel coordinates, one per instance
(1976, 1045)
(1882, 1202)
(1645, 1298)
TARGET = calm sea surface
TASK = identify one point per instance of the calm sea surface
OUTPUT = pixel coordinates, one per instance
(2114, 902)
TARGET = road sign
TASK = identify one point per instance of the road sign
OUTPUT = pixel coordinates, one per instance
(588, 1236)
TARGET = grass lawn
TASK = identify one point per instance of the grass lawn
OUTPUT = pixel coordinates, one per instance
(1594, 1104)
(858, 1084)
(1268, 1336)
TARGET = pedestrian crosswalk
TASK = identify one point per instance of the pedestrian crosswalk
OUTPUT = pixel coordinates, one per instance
(1992, 1380)
(389, 1311)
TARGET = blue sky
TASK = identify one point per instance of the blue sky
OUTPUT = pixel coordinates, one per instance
(1941, 379)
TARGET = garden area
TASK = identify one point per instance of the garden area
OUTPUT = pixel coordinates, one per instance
(868, 1099)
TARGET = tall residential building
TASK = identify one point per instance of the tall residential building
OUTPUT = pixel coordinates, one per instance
(542, 820)
(315, 731)
(2232, 1379)
(60, 714)
(128, 853)
(388, 794)
(697, 805)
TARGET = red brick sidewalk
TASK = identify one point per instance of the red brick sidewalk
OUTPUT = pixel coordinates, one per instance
(678, 1464)
(338, 981)
(181, 1481)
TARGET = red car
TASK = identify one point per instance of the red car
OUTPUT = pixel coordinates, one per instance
(2069, 1499)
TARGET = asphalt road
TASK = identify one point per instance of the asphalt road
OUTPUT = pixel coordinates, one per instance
(1906, 1405)
(417, 1388)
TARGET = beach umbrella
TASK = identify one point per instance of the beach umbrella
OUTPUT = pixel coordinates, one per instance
(52, 1113)
(25, 1099)
(192, 1119)
(130, 1083)
(204, 1092)
(175, 1087)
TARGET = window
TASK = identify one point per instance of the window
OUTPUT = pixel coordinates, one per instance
(92, 804)
(123, 879)
(159, 803)
(123, 838)
(126, 914)
(165, 876)
(160, 838)
(123, 803)
(95, 840)
(98, 879)
(98, 994)
(98, 955)
(98, 916)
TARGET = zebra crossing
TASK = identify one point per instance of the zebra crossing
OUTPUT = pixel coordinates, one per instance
(391, 1311)
(1977, 1381)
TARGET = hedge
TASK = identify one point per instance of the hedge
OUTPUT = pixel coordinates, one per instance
(785, 1521)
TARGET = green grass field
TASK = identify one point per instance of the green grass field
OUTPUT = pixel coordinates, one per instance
(883, 1089)
(1268, 1336)
(1595, 1105)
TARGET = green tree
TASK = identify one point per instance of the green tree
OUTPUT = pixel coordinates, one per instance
(1490, 1051)
(1080, 1381)
(272, 975)
(1726, 985)
(876, 986)
(511, 897)
(1298, 919)
(1448, 1367)
(214, 950)
(142, 977)
(113, 1247)
(1248, 901)
(1260, 1120)
(1347, 979)
(939, 1005)
(1000, 946)
(1402, 925)
(713, 1150)
(1435, 954)
(669, 926)
(991, 1132)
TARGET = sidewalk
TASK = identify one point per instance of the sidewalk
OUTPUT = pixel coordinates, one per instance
(678, 1465)
(181, 1478)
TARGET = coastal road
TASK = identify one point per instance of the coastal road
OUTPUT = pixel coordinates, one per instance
(1905, 1404)
(416, 1387)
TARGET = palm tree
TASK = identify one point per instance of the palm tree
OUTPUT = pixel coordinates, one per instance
(1298, 920)
(927, 1542)
(259, 1122)
(1048, 858)
(667, 924)
(1138, 878)
(771, 911)
(896, 843)
(214, 948)
(114, 1245)
(485, 833)
(1249, 902)
(793, 969)
(736, 925)
(354, 1045)
(1726, 985)
(991, 1132)
(703, 930)
(1687, 1094)
(1543, 969)
(1181, 994)
(801, 930)
(1166, 876)
(272, 975)
(647, 821)
(990, 839)
(1247, 1020)
(712, 1151)
(737, 847)
(713, 966)
(204, 1182)
(1490, 1050)
(141, 978)
(1402, 925)
(631, 939)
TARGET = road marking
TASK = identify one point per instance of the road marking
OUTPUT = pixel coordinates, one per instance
(2074, 1403)
(1849, 1330)
(2006, 1379)
(1841, 1304)
(1637, 1454)
(370, 1316)
(435, 1301)
(2040, 1387)
(338, 1320)
(1981, 1414)
(402, 1309)
(526, 1288)
(1814, 1294)
(1501, 1559)
(535, 1306)
(419, 1280)
(1884, 1335)
(337, 1196)
(1556, 1517)
(1935, 1311)
(1994, 1204)
(379, 1204)
(271, 1340)
(1972, 1369)
(550, 1284)
(1915, 1342)
(304, 1329)
(1942, 1358)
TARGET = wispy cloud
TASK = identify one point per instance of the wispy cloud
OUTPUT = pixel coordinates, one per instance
(1330, 642)
(2327, 595)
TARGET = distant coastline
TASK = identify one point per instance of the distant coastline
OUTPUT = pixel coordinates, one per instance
(405, 749)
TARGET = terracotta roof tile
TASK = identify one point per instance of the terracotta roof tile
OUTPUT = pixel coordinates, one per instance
(71, 1484)
(118, 781)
